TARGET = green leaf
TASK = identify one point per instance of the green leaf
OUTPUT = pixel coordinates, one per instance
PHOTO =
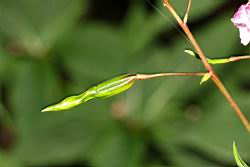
(7, 160)
(34, 85)
(237, 157)
(206, 77)
(5, 117)
(142, 28)
(127, 149)
(106, 89)
(214, 142)
(182, 159)
(99, 47)
(136, 19)
(220, 27)
(27, 24)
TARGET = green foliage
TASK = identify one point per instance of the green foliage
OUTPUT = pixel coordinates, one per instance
(8, 161)
(237, 157)
(53, 48)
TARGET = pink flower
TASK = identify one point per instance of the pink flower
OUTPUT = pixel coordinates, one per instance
(241, 20)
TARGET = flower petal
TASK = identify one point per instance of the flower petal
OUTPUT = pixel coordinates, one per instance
(241, 20)
(244, 36)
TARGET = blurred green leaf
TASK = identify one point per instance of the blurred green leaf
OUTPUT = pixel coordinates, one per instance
(27, 23)
(184, 157)
(8, 161)
(213, 46)
(93, 51)
(140, 27)
(127, 149)
(6, 119)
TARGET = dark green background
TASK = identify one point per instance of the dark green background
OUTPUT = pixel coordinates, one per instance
(51, 49)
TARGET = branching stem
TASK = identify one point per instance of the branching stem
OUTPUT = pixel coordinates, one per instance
(208, 67)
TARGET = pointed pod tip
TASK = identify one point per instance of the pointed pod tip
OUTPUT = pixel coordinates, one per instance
(51, 109)
(45, 110)
(67, 103)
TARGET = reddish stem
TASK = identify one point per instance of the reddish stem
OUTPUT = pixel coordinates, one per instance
(149, 76)
(208, 67)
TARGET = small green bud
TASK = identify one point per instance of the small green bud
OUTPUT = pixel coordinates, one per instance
(206, 77)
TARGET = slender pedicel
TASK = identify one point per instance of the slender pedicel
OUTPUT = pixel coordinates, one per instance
(219, 61)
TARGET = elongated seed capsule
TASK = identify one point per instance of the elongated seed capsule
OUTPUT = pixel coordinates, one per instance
(115, 85)
(105, 89)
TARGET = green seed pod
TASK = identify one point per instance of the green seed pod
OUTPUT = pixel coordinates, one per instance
(114, 86)
(105, 89)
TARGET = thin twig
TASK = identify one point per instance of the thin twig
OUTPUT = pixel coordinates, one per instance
(208, 67)
(238, 58)
(149, 76)
(185, 19)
